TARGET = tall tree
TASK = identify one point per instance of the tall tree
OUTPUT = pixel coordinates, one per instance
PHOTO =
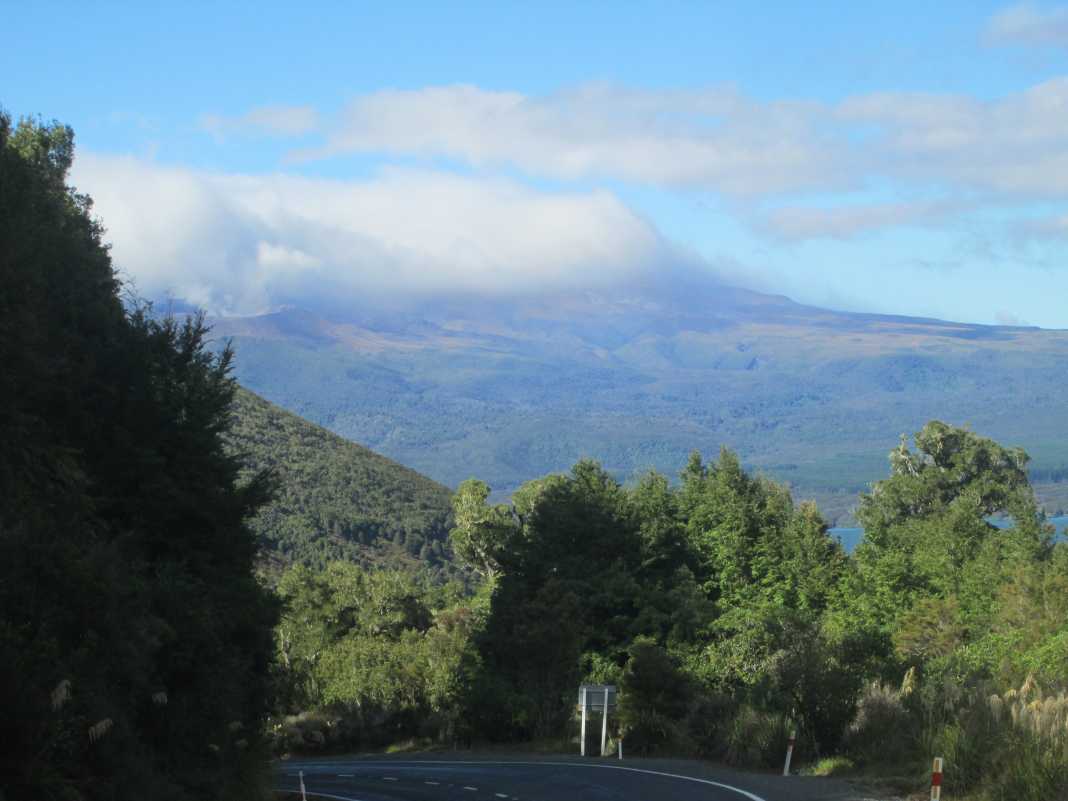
(134, 641)
(482, 534)
(566, 585)
(929, 547)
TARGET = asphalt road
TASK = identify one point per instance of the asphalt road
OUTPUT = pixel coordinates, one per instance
(438, 778)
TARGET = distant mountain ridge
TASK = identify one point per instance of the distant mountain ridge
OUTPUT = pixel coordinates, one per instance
(510, 390)
(336, 499)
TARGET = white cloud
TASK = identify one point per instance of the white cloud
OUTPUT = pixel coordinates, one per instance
(1010, 149)
(1029, 24)
(273, 120)
(1016, 145)
(702, 138)
(1040, 229)
(794, 223)
(279, 257)
(243, 244)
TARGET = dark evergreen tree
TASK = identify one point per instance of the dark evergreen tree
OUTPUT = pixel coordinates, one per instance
(134, 641)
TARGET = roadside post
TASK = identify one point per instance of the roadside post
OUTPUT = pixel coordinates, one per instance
(936, 780)
(582, 734)
(303, 793)
(789, 752)
(604, 722)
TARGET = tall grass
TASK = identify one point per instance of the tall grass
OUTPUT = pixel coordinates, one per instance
(1032, 761)
(883, 733)
(1010, 746)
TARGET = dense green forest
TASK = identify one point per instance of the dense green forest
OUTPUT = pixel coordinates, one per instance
(518, 388)
(726, 614)
(135, 643)
(334, 499)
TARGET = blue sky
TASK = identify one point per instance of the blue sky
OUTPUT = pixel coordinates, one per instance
(899, 157)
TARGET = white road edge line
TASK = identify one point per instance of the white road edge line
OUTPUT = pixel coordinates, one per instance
(732, 788)
(318, 795)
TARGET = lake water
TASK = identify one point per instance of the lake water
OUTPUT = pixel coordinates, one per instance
(851, 536)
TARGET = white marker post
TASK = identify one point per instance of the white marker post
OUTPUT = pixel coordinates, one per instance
(621, 748)
(582, 736)
(936, 780)
(303, 793)
(789, 752)
(604, 722)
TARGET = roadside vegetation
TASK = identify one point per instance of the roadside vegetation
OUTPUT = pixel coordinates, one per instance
(140, 655)
(727, 616)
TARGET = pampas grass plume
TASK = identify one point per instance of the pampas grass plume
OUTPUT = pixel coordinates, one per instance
(61, 694)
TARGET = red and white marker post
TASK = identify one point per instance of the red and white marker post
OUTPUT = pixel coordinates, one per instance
(789, 752)
(936, 780)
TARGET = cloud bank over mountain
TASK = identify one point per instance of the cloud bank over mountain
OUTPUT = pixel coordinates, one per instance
(895, 158)
(242, 244)
(500, 192)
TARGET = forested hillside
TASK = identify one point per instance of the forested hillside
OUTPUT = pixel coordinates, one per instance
(135, 642)
(638, 377)
(334, 499)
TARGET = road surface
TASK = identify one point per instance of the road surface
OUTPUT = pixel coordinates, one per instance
(465, 778)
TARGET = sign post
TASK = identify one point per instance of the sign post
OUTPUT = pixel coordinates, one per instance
(596, 697)
(604, 722)
(582, 736)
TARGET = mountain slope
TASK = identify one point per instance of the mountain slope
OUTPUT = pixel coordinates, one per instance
(507, 391)
(336, 499)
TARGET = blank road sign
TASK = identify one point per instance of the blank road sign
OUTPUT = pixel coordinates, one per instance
(596, 694)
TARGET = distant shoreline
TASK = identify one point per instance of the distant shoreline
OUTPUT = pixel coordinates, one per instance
(850, 536)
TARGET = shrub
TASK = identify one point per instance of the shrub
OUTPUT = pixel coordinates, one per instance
(708, 724)
(757, 738)
(883, 731)
(654, 699)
